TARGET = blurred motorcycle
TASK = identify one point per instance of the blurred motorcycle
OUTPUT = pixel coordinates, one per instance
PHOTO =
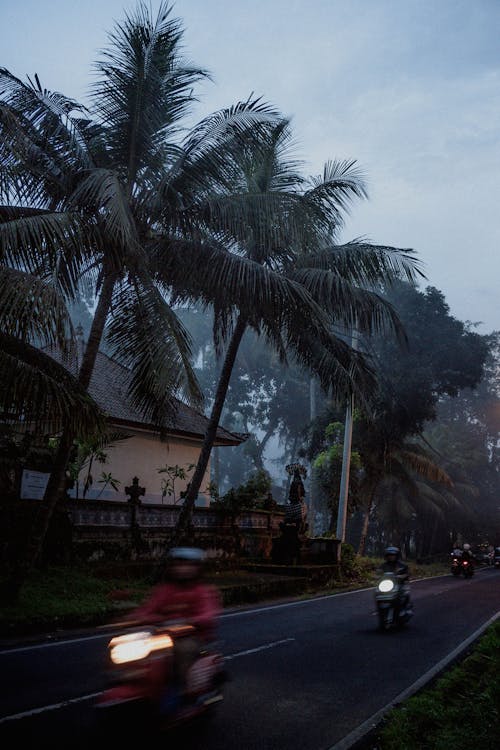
(141, 681)
(391, 600)
(459, 566)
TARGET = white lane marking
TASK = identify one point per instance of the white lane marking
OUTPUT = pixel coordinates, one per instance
(61, 642)
(53, 707)
(270, 607)
(259, 648)
(347, 742)
(63, 704)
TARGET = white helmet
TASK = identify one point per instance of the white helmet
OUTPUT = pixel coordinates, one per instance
(467, 547)
(187, 554)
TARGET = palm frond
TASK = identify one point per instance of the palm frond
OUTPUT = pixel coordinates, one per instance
(39, 133)
(424, 466)
(330, 196)
(145, 87)
(41, 394)
(219, 129)
(32, 310)
(350, 306)
(148, 339)
(101, 192)
(50, 244)
(365, 264)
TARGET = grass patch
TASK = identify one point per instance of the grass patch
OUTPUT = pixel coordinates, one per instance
(61, 596)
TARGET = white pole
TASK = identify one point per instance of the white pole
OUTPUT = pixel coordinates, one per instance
(344, 479)
(346, 463)
(312, 482)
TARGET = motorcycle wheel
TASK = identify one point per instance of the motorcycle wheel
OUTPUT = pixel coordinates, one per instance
(385, 619)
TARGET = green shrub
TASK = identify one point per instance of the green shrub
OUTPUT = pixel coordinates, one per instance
(251, 494)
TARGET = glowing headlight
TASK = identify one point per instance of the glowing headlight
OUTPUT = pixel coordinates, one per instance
(135, 646)
(386, 585)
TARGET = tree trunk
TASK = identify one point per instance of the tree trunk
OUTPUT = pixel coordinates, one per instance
(364, 528)
(260, 447)
(56, 486)
(184, 522)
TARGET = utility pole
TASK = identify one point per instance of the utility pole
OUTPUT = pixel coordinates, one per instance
(346, 465)
(346, 462)
(312, 482)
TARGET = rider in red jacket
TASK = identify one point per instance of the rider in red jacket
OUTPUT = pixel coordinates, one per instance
(185, 598)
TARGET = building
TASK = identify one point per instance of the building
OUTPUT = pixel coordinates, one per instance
(137, 449)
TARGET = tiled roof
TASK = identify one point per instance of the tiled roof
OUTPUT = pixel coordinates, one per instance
(109, 388)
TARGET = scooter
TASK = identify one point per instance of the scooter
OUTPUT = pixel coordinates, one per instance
(141, 689)
(390, 599)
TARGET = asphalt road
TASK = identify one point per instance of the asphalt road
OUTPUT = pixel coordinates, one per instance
(304, 674)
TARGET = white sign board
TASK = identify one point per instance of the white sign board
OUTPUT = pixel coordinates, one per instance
(33, 485)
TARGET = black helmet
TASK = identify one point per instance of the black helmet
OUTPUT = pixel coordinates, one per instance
(390, 551)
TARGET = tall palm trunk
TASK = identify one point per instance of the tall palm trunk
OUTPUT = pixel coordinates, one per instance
(56, 485)
(185, 517)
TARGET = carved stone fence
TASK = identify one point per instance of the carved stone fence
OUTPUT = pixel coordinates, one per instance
(102, 530)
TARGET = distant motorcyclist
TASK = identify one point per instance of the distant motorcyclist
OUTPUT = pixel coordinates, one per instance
(467, 552)
(394, 564)
(468, 555)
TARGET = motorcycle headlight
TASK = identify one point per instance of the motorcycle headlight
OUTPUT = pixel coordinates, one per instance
(135, 646)
(385, 586)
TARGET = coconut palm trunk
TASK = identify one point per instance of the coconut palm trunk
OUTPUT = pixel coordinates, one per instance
(365, 524)
(184, 523)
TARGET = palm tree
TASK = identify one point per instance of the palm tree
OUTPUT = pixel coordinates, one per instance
(398, 480)
(297, 280)
(90, 193)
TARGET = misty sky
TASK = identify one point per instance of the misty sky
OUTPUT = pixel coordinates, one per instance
(407, 88)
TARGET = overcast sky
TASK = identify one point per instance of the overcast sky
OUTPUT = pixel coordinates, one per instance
(407, 88)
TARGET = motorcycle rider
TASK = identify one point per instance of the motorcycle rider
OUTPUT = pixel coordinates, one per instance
(394, 564)
(467, 554)
(184, 596)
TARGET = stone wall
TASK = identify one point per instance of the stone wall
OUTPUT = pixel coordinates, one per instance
(101, 531)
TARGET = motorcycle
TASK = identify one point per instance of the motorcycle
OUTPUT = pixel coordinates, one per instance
(459, 566)
(141, 686)
(496, 557)
(391, 602)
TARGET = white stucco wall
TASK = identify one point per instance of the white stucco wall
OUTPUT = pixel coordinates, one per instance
(141, 455)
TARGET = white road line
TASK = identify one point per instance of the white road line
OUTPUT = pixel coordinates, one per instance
(321, 597)
(259, 648)
(51, 644)
(370, 724)
(53, 707)
(63, 704)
